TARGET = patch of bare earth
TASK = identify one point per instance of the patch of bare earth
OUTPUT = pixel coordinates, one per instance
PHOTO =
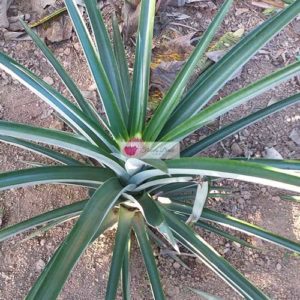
(275, 271)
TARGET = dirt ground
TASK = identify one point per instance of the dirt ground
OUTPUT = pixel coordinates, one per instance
(275, 271)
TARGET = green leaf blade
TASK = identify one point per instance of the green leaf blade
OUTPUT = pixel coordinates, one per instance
(238, 126)
(219, 74)
(78, 240)
(212, 259)
(144, 243)
(121, 243)
(69, 83)
(230, 102)
(115, 120)
(119, 50)
(70, 174)
(107, 55)
(172, 98)
(141, 76)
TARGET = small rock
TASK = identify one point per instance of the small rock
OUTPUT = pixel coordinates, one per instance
(246, 195)
(57, 124)
(278, 267)
(67, 51)
(40, 5)
(236, 149)
(272, 153)
(89, 95)
(60, 30)
(48, 80)
(176, 265)
(42, 242)
(295, 135)
(40, 265)
(77, 47)
(240, 11)
(1, 216)
(172, 291)
(1, 111)
(27, 17)
(92, 87)
(245, 133)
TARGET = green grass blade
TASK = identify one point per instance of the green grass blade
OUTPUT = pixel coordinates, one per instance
(119, 50)
(126, 271)
(65, 77)
(63, 212)
(173, 96)
(238, 126)
(77, 241)
(113, 113)
(230, 102)
(219, 74)
(66, 160)
(107, 56)
(60, 139)
(144, 243)
(69, 174)
(120, 247)
(141, 75)
(69, 112)
(212, 259)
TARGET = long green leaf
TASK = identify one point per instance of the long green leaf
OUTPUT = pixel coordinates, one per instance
(141, 75)
(65, 77)
(238, 125)
(219, 74)
(113, 113)
(69, 174)
(230, 102)
(172, 98)
(66, 160)
(78, 240)
(61, 139)
(107, 56)
(70, 112)
(223, 233)
(119, 50)
(250, 229)
(108, 222)
(155, 218)
(236, 224)
(212, 259)
(144, 243)
(126, 271)
(121, 243)
(276, 163)
(63, 212)
(239, 170)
